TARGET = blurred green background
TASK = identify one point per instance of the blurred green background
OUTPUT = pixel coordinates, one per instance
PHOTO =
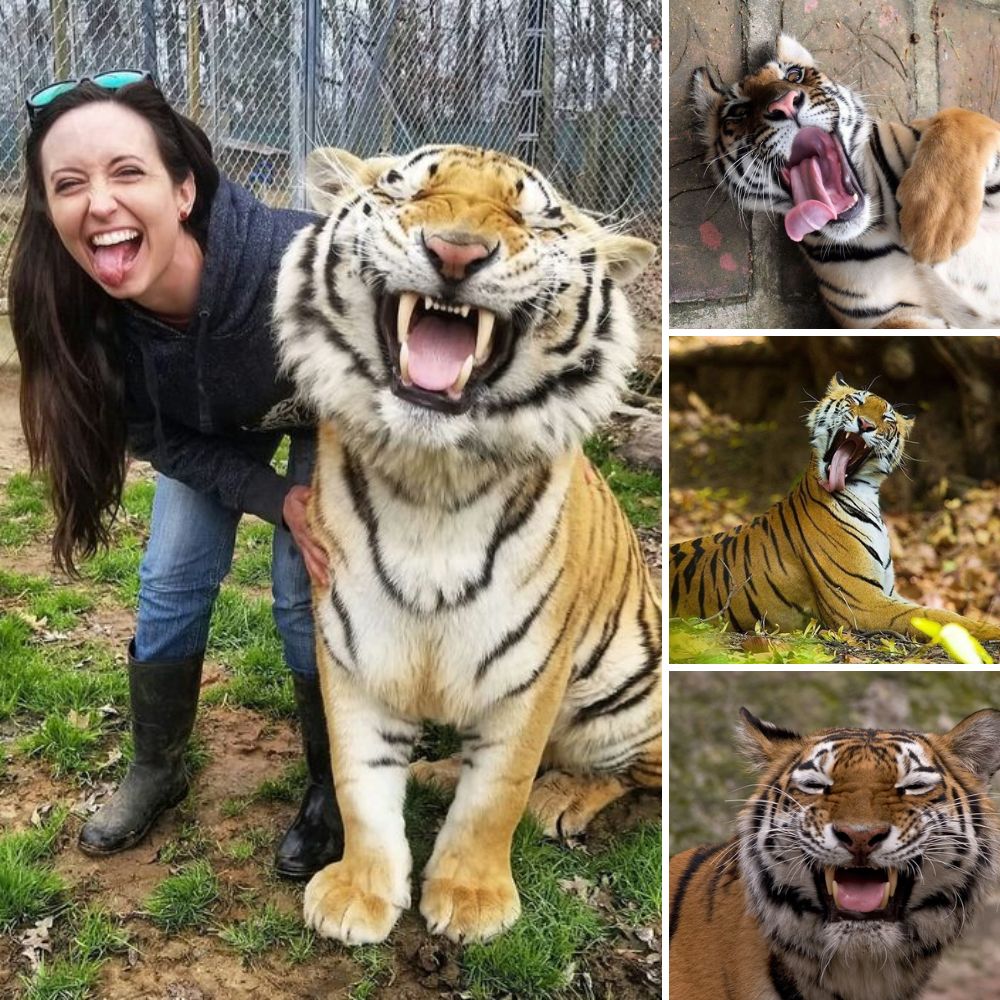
(707, 774)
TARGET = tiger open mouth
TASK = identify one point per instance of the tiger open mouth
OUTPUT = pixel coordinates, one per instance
(822, 182)
(863, 893)
(440, 351)
(846, 454)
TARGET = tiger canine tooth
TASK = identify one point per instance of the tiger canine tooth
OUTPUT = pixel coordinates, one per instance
(404, 363)
(455, 391)
(893, 880)
(885, 895)
(831, 884)
(484, 335)
(404, 313)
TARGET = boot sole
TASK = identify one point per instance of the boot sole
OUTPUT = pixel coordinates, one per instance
(133, 838)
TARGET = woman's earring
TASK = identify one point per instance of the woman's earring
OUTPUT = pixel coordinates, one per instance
(184, 215)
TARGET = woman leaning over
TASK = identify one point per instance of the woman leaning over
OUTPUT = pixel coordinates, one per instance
(140, 297)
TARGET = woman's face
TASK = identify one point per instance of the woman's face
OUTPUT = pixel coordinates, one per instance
(111, 200)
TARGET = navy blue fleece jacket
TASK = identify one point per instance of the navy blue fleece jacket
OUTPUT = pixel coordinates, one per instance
(205, 405)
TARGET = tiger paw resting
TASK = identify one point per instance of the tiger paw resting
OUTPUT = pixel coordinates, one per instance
(900, 223)
(459, 328)
(860, 857)
(822, 552)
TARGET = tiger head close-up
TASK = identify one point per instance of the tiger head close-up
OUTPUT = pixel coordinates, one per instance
(856, 436)
(860, 856)
(897, 220)
(454, 299)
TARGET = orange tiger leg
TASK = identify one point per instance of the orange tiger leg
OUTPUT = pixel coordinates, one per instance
(884, 614)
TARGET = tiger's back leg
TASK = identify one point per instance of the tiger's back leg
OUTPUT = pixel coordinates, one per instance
(565, 802)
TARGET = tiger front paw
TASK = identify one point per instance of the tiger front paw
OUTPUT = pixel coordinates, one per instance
(355, 903)
(469, 897)
(941, 194)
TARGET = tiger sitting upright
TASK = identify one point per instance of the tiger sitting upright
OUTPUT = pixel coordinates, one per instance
(459, 328)
(900, 223)
(859, 857)
(823, 551)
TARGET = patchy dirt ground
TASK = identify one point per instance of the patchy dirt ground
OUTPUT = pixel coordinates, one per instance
(244, 748)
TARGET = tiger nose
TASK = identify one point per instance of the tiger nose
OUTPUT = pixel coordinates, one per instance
(457, 255)
(865, 425)
(861, 840)
(786, 105)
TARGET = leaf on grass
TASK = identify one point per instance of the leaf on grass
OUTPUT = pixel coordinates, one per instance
(38, 816)
(35, 942)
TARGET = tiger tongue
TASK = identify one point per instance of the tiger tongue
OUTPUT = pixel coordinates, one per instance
(859, 894)
(813, 208)
(836, 478)
(438, 348)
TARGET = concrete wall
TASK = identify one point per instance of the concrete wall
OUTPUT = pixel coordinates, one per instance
(906, 59)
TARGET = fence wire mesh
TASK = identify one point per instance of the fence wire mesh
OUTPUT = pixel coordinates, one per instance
(572, 86)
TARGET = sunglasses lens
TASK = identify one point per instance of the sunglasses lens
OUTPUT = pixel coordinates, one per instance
(122, 78)
(49, 94)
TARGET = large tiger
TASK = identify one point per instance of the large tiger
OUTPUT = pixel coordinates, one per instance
(823, 551)
(459, 328)
(859, 857)
(787, 139)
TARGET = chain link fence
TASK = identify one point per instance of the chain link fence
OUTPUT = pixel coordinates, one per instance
(572, 86)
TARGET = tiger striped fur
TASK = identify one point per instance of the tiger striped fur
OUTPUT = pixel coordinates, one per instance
(860, 856)
(762, 132)
(823, 551)
(459, 328)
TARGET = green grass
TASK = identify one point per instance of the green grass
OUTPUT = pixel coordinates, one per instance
(29, 888)
(640, 492)
(269, 928)
(137, 500)
(24, 512)
(118, 566)
(67, 743)
(61, 979)
(242, 849)
(252, 565)
(98, 935)
(633, 865)
(185, 899)
(535, 958)
(189, 844)
(377, 962)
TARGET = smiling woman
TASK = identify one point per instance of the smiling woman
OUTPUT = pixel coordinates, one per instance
(141, 290)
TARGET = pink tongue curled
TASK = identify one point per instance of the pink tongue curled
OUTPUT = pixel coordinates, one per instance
(110, 262)
(837, 476)
(862, 895)
(438, 348)
(812, 200)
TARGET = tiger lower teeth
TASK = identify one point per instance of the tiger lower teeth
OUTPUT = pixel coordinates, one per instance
(455, 391)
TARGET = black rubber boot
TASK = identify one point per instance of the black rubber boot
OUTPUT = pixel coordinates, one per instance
(316, 836)
(164, 700)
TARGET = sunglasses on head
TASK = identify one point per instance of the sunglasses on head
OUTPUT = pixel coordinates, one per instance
(112, 80)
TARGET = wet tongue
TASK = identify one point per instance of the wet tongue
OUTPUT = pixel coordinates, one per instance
(812, 208)
(110, 262)
(862, 895)
(438, 349)
(837, 476)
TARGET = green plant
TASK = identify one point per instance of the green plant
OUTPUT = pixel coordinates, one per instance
(269, 928)
(184, 899)
(633, 865)
(66, 742)
(29, 888)
(97, 935)
(61, 979)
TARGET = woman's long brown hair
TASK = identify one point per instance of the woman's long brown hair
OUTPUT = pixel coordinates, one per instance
(72, 385)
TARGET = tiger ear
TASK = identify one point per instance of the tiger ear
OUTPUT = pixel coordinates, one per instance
(763, 742)
(706, 93)
(837, 382)
(790, 51)
(627, 256)
(975, 743)
(329, 171)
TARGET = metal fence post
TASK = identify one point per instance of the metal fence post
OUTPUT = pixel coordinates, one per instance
(531, 79)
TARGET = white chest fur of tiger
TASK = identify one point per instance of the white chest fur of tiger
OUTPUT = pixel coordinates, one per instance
(459, 329)
(788, 140)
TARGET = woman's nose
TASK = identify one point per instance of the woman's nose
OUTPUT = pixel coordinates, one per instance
(102, 201)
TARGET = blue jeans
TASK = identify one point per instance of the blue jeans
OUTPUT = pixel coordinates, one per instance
(189, 553)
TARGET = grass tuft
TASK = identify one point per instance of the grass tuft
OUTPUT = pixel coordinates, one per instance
(184, 899)
(61, 979)
(640, 492)
(633, 865)
(67, 743)
(29, 888)
(270, 928)
(98, 935)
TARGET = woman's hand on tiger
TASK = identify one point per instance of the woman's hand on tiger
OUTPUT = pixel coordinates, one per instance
(296, 518)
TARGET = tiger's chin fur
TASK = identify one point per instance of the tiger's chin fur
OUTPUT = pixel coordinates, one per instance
(860, 857)
(788, 140)
(460, 328)
(822, 553)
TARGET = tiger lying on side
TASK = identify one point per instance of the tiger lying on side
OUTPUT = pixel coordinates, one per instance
(823, 551)
(459, 329)
(788, 139)
(860, 856)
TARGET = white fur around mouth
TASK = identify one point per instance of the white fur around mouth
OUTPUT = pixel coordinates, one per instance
(115, 236)
(486, 321)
